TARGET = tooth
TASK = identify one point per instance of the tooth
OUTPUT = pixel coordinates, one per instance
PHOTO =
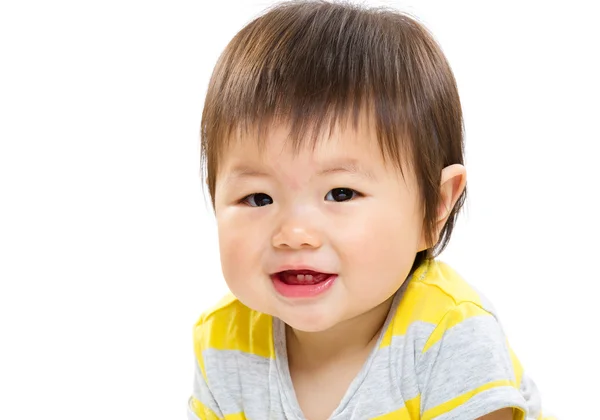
(300, 277)
(308, 278)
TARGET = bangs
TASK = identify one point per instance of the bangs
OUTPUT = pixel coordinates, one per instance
(312, 70)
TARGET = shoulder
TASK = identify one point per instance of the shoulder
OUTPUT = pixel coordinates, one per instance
(436, 279)
(437, 290)
(233, 347)
(231, 325)
(437, 295)
(460, 346)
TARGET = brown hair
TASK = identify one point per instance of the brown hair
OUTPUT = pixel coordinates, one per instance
(307, 63)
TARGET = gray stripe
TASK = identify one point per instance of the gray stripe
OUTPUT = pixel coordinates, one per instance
(380, 392)
(243, 382)
(486, 402)
(406, 351)
(201, 391)
(469, 355)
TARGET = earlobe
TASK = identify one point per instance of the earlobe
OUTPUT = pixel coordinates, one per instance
(452, 184)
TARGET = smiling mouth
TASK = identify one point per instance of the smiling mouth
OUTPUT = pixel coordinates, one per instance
(301, 277)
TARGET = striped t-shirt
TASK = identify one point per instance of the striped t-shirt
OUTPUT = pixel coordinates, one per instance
(441, 355)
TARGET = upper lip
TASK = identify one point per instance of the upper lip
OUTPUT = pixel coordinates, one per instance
(292, 267)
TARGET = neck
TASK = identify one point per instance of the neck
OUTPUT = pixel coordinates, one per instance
(355, 335)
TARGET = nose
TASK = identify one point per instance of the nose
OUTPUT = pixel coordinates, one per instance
(296, 235)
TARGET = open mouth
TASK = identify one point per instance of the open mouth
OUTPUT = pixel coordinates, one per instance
(302, 283)
(301, 277)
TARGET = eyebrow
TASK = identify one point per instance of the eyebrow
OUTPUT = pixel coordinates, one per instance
(244, 171)
(349, 166)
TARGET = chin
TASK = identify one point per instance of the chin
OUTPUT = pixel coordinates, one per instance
(309, 321)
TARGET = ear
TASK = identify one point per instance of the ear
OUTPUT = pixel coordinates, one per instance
(452, 184)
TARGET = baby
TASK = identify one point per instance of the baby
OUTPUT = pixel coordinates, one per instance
(332, 140)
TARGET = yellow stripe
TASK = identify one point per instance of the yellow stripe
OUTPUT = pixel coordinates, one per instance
(410, 411)
(443, 276)
(454, 317)
(239, 329)
(198, 352)
(434, 290)
(417, 305)
(236, 416)
(541, 417)
(458, 401)
(202, 411)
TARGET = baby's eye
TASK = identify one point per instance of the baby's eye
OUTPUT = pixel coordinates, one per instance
(257, 200)
(341, 194)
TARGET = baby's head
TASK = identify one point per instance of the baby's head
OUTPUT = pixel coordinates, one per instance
(333, 147)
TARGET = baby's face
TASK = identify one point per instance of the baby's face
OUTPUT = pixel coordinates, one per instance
(315, 238)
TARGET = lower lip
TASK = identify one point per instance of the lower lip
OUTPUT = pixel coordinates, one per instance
(304, 290)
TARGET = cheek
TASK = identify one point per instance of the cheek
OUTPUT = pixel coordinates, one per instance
(239, 249)
(384, 237)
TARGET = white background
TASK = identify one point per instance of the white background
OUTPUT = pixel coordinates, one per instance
(108, 249)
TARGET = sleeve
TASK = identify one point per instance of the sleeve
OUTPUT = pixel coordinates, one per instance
(202, 404)
(465, 369)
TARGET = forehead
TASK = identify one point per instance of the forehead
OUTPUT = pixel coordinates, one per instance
(345, 142)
